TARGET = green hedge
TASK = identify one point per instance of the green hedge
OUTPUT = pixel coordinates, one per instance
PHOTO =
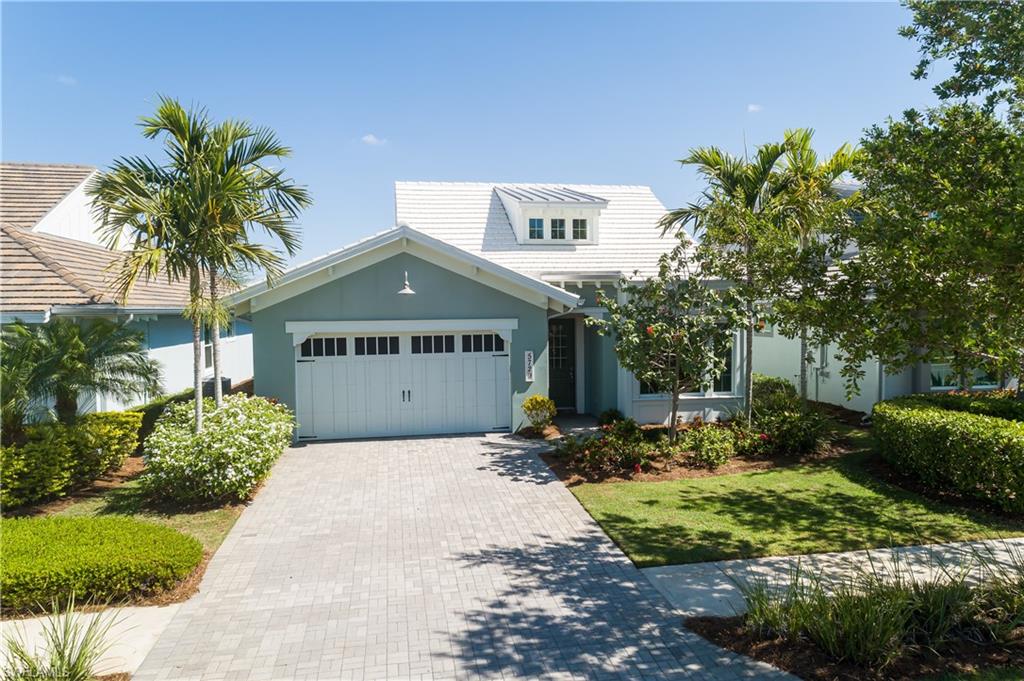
(99, 559)
(152, 411)
(975, 455)
(999, 403)
(56, 458)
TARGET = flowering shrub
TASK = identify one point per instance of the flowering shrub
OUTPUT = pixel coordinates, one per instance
(539, 410)
(233, 454)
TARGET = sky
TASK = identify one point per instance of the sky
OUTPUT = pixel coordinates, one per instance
(366, 94)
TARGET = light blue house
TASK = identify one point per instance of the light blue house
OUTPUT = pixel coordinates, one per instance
(53, 265)
(476, 300)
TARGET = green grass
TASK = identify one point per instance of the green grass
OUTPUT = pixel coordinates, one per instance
(209, 526)
(831, 506)
(1000, 674)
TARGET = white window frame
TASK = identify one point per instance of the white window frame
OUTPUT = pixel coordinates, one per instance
(951, 388)
(699, 395)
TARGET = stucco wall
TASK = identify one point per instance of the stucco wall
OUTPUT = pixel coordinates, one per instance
(370, 293)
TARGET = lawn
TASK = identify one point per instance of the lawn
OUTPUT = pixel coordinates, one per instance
(209, 526)
(835, 505)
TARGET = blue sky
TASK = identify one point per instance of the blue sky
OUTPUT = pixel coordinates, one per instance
(367, 94)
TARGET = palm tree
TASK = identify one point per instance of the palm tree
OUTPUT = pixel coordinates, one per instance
(244, 194)
(812, 204)
(67, 359)
(154, 208)
(739, 199)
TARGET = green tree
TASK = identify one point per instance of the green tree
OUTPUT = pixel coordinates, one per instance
(940, 267)
(736, 209)
(672, 330)
(983, 41)
(798, 254)
(63, 359)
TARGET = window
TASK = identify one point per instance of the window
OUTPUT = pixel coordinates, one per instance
(433, 344)
(482, 342)
(557, 228)
(376, 345)
(943, 377)
(324, 347)
(579, 228)
(723, 384)
(536, 228)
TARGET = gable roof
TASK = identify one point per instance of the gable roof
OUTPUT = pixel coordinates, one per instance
(42, 271)
(471, 216)
(404, 234)
(28, 191)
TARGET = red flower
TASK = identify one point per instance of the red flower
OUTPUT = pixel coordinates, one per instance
(636, 468)
(763, 436)
(650, 330)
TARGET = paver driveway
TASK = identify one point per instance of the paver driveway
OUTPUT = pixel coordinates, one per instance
(456, 557)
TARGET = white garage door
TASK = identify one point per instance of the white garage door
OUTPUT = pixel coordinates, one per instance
(402, 384)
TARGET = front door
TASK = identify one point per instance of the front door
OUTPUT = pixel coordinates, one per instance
(562, 363)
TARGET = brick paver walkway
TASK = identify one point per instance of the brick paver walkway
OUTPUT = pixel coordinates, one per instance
(435, 558)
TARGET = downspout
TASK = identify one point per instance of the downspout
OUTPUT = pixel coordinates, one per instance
(881, 381)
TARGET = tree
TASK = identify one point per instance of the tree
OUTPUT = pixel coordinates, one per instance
(799, 253)
(243, 194)
(939, 274)
(672, 330)
(984, 41)
(734, 211)
(65, 359)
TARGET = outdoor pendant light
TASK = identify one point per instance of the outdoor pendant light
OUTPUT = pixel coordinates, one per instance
(406, 290)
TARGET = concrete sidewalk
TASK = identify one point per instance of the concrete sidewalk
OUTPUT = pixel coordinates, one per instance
(706, 588)
(132, 635)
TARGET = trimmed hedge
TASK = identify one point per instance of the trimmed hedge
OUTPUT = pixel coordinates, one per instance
(234, 453)
(56, 458)
(100, 559)
(975, 455)
(152, 411)
(999, 403)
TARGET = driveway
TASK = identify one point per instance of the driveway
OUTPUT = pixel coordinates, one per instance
(433, 558)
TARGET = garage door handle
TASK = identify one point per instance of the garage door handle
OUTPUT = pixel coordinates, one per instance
(403, 396)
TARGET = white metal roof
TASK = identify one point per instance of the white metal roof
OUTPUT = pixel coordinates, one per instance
(541, 194)
(471, 216)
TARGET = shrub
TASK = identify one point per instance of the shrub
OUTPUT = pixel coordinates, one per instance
(769, 393)
(102, 441)
(539, 410)
(793, 432)
(100, 559)
(711, 446)
(55, 458)
(999, 403)
(609, 416)
(152, 411)
(233, 454)
(37, 469)
(974, 455)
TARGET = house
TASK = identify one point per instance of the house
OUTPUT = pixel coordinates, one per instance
(53, 265)
(476, 300)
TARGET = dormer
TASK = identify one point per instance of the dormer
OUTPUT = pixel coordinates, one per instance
(546, 216)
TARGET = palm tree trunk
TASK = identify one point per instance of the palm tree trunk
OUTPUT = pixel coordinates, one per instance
(66, 406)
(218, 397)
(748, 368)
(195, 289)
(803, 366)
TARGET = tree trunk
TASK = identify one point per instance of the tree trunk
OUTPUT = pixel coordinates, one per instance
(748, 369)
(66, 406)
(803, 366)
(672, 432)
(195, 287)
(218, 397)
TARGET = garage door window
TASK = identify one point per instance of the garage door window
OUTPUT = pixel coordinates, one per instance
(428, 345)
(376, 345)
(324, 347)
(482, 342)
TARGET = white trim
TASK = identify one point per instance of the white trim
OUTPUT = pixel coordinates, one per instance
(405, 235)
(26, 317)
(581, 388)
(302, 330)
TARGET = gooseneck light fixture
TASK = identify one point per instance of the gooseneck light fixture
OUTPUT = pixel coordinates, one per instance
(406, 290)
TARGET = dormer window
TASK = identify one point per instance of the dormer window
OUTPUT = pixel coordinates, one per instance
(579, 229)
(551, 215)
(536, 228)
(558, 228)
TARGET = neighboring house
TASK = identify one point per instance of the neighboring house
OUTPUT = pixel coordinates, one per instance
(52, 265)
(447, 322)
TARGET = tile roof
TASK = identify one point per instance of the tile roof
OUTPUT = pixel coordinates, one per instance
(43, 270)
(471, 216)
(28, 191)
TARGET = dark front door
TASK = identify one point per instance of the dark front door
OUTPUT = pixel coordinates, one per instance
(562, 362)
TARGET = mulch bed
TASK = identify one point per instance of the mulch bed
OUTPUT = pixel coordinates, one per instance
(806, 661)
(550, 432)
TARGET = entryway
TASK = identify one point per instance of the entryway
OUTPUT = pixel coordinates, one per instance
(562, 363)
